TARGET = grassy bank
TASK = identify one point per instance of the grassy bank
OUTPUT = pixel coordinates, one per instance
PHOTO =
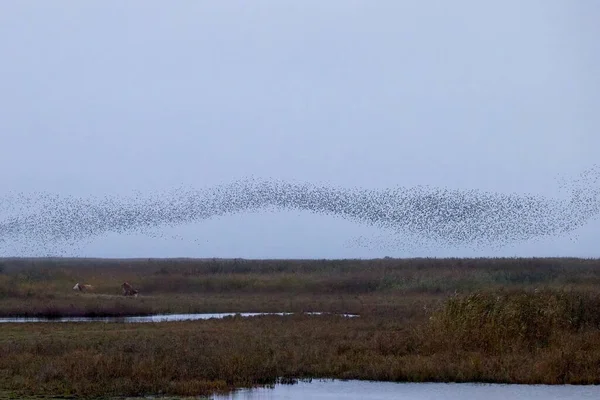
(520, 337)
(485, 320)
(382, 286)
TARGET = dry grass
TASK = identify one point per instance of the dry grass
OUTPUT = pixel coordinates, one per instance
(190, 358)
(510, 320)
(488, 320)
(382, 286)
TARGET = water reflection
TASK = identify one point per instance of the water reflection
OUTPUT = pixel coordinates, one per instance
(151, 318)
(355, 390)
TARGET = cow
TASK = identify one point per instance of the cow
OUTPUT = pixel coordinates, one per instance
(128, 290)
(82, 288)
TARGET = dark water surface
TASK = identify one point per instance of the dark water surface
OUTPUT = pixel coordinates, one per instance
(359, 390)
(149, 318)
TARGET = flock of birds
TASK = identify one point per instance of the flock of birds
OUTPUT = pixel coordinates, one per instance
(417, 215)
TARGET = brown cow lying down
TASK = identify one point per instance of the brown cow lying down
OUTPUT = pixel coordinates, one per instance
(128, 290)
(82, 288)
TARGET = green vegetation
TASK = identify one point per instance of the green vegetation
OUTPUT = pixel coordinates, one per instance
(485, 320)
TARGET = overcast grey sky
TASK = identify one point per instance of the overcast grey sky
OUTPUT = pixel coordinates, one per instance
(109, 97)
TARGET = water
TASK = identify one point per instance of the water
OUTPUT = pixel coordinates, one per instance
(355, 390)
(150, 318)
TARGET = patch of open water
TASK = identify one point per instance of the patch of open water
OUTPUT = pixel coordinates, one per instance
(355, 390)
(150, 318)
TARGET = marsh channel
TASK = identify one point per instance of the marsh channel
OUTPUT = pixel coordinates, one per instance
(355, 390)
(148, 318)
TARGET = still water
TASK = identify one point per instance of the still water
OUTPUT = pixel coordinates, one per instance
(355, 390)
(150, 318)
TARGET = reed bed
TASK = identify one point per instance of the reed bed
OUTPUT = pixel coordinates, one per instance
(467, 339)
(486, 320)
(385, 286)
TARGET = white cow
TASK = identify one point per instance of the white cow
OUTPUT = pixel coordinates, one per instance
(82, 288)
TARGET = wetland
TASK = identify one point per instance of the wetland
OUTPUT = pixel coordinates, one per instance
(487, 320)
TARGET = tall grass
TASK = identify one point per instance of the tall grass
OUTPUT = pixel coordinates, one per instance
(340, 276)
(383, 286)
(485, 320)
(505, 321)
(515, 337)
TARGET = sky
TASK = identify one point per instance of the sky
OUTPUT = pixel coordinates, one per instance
(112, 98)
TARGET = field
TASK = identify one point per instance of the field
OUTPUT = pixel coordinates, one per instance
(487, 320)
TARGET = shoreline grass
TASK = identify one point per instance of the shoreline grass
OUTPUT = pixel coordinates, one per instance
(435, 320)
(200, 357)
(37, 287)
